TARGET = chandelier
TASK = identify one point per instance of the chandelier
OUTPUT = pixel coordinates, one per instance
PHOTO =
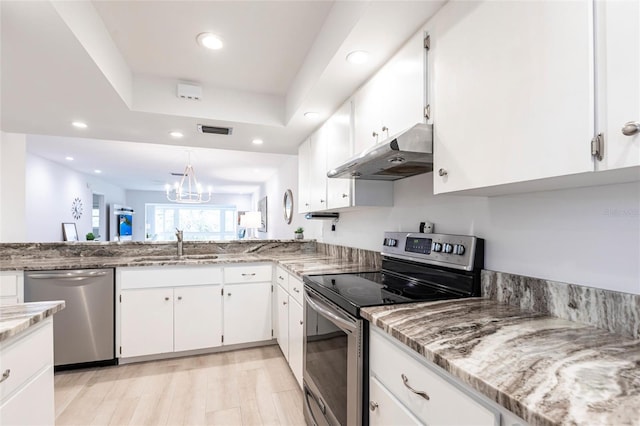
(188, 190)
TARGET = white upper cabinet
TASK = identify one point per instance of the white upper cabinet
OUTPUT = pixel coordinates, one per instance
(394, 98)
(339, 150)
(618, 85)
(513, 96)
(318, 169)
(304, 165)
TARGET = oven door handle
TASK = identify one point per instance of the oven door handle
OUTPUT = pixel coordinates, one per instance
(335, 317)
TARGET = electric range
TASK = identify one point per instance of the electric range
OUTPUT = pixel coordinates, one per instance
(416, 267)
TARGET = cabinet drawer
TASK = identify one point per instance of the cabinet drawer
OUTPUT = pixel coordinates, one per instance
(384, 409)
(247, 274)
(282, 277)
(25, 357)
(296, 288)
(8, 285)
(169, 276)
(447, 403)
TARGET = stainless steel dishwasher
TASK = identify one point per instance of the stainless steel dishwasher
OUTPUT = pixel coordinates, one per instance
(84, 331)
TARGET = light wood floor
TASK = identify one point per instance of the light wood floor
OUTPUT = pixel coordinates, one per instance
(244, 387)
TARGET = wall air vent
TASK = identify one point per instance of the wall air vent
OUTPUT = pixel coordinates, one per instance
(215, 130)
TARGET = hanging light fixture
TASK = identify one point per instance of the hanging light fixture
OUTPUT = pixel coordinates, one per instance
(188, 190)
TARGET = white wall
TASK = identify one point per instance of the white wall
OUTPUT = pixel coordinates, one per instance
(51, 189)
(13, 226)
(274, 189)
(587, 236)
(137, 200)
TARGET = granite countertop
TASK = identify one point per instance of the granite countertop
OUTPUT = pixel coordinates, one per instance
(547, 370)
(296, 263)
(17, 318)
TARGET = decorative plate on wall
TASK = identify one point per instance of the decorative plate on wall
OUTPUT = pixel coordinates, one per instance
(76, 208)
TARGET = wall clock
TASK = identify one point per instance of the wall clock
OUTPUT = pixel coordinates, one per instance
(76, 208)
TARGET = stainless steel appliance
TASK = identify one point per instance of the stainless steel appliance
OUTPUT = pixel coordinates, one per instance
(83, 332)
(406, 154)
(415, 267)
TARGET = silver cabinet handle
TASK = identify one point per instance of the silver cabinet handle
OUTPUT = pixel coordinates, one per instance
(631, 128)
(385, 129)
(374, 134)
(284, 303)
(296, 290)
(405, 380)
(179, 297)
(249, 275)
(345, 195)
(228, 294)
(166, 298)
(321, 201)
(280, 278)
(443, 172)
(373, 405)
(306, 204)
(5, 375)
(301, 322)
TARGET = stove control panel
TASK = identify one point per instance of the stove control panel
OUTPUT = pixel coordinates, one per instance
(455, 251)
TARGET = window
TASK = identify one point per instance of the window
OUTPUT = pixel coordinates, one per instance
(198, 222)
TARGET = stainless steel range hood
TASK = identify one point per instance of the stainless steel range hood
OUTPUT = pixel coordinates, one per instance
(406, 154)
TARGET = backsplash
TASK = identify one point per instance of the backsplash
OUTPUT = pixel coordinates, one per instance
(361, 256)
(610, 310)
(10, 251)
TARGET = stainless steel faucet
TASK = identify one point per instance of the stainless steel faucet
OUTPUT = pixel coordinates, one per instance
(179, 236)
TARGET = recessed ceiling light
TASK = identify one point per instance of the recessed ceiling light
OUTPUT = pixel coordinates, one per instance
(311, 114)
(97, 171)
(358, 57)
(79, 125)
(210, 41)
(176, 134)
(68, 158)
(257, 141)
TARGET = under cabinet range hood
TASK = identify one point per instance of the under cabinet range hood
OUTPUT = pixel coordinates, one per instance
(406, 154)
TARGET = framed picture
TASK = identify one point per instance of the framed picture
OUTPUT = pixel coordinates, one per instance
(69, 232)
(262, 208)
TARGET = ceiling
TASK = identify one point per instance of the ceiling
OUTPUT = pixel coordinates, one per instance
(116, 64)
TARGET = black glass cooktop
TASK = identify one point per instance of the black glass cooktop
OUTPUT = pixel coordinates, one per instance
(354, 291)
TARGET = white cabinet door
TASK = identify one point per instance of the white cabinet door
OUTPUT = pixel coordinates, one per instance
(33, 405)
(513, 91)
(146, 322)
(368, 113)
(197, 317)
(339, 150)
(404, 87)
(618, 64)
(318, 169)
(296, 325)
(247, 313)
(304, 167)
(385, 410)
(282, 309)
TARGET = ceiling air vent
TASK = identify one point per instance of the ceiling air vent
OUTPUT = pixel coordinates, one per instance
(189, 91)
(215, 130)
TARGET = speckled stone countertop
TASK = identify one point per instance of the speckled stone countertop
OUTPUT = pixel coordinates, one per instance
(547, 370)
(17, 318)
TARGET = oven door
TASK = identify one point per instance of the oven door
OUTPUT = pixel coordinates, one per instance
(332, 363)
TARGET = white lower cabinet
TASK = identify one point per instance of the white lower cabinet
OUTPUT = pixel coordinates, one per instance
(146, 316)
(289, 316)
(420, 388)
(26, 394)
(247, 313)
(161, 320)
(296, 337)
(11, 287)
(385, 409)
(197, 321)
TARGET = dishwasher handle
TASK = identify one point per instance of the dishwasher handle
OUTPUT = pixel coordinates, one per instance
(77, 275)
